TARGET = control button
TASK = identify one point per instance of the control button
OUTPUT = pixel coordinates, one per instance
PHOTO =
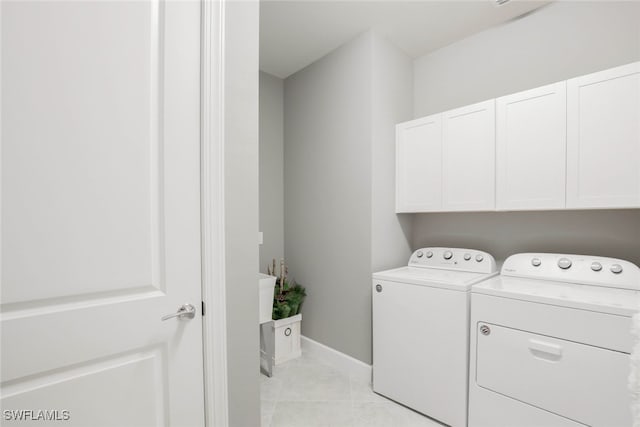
(536, 262)
(596, 266)
(467, 257)
(479, 258)
(447, 255)
(616, 269)
(419, 254)
(429, 254)
(564, 263)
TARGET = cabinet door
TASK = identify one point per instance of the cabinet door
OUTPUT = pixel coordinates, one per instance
(531, 144)
(603, 139)
(419, 165)
(469, 157)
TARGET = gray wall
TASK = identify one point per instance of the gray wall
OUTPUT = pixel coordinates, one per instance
(613, 233)
(556, 42)
(271, 169)
(392, 95)
(559, 41)
(241, 211)
(340, 221)
(327, 169)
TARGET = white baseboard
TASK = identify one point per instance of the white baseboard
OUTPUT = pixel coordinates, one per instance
(337, 360)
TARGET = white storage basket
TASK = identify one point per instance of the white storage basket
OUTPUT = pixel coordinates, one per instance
(287, 338)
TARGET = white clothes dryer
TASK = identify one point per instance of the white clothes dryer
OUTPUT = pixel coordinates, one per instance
(421, 330)
(550, 345)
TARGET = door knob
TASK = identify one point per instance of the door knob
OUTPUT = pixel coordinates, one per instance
(185, 310)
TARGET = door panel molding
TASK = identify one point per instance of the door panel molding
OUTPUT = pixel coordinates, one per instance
(97, 377)
(39, 307)
(88, 181)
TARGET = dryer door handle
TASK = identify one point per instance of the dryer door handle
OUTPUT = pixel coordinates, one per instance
(545, 350)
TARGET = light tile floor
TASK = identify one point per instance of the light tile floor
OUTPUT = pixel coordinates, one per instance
(307, 393)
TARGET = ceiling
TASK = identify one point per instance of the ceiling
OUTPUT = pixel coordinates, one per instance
(295, 33)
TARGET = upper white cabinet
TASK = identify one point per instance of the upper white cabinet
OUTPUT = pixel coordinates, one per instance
(531, 143)
(419, 165)
(603, 139)
(468, 161)
(569, 145)
(445, 162)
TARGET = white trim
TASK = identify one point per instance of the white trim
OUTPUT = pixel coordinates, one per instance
(339, 361)
(213, 219)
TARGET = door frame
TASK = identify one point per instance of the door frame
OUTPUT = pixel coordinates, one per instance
(214, 331)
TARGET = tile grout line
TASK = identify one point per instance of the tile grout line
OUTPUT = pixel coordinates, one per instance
(359, 400)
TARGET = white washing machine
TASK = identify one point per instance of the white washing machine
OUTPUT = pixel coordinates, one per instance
(421, 330)
(550, 345)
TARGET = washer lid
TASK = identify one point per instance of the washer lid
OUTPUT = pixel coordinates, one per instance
(433, 277)
(601, 299)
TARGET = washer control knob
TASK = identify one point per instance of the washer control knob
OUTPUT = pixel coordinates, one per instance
(429, 254)
(564, 263)
(419, 254)
(479, 257)
(536, 262)
(467, 257)
(447, 255)
(596, 266)
(616, 269)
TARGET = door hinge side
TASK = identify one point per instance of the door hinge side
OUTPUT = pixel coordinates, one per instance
(204, 310)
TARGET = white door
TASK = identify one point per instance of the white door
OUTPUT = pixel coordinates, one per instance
(468, 174)
(603, 139)
(100, 212)
(419, 165)
(531, 144)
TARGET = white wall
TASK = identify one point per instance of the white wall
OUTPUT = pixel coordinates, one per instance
(241, 210)
(340, 115)
(271, 169)
(559, 41)
(562, 40)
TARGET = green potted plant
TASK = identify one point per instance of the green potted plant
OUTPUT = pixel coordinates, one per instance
(288, 297)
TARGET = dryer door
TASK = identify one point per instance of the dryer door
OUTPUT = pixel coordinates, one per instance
(581, 382)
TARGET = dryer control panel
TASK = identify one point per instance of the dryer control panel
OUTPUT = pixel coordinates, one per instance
(583, 269)
(454, 259)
